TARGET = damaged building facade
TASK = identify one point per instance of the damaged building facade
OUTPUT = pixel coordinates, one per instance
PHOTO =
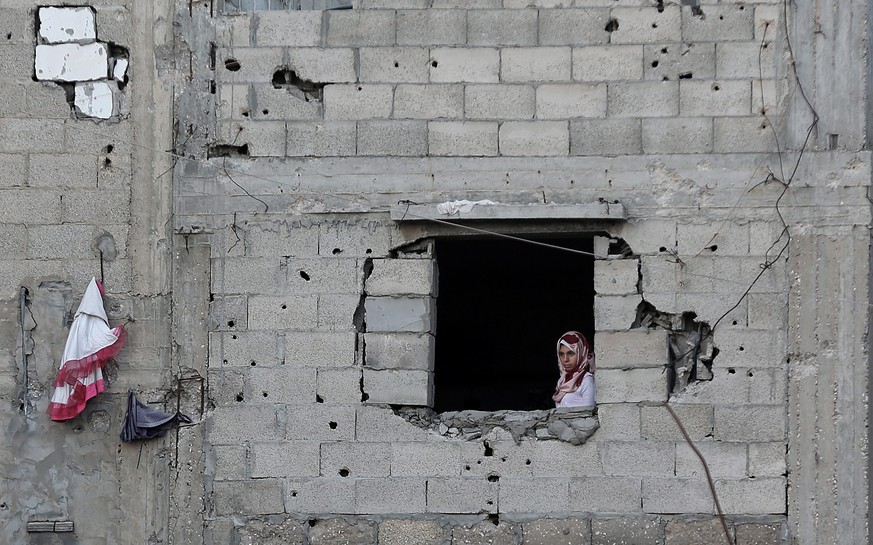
(344, 237)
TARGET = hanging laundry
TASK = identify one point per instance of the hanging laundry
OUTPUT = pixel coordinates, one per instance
(141, 422)
(90, 345)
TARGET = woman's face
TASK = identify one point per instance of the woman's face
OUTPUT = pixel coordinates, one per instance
(569, 358)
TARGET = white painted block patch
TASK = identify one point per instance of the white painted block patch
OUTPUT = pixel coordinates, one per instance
(95, 99)
(72, 62)
(120, 69)
(66, 25)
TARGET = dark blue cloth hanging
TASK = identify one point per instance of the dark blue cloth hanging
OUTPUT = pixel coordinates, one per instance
(141, 422)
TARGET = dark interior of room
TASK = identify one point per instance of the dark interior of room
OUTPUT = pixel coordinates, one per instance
(502, 306)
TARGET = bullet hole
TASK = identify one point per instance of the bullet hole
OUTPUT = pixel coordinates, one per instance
(78, 428)
(654, 25)
(265, 394)
(662, 249)
(293, 493)
(108, 148)
(467, 468)
(369, 251)
(611, 26)
(697, 12)
(239, 398)
(365, 396)
(265, 111)
(3, 506)
(253, 364)
(489, 502)
(344, 472)
(742, 348)
(8, 37)
(434, 63)
(735, 322)
(319, 399)
(396, 64)
(304, 89)
(107, 162)
(686, 75)
(721, 17)
(234, 337)
(712, 248)
(732, 371)
(765, 46)
(312, 522)
(284, 307)
(245, 113)
(665, 78)
(360, 88)
(763, 126)
(750, 374)
(493, 478)
(664, 50)
(488, 450)
(224, 362)
(225, 150)
(527, 462)
(332, 425)
(304, 276)
(230, 323)
(232, 64)
(654, 64)
(478, 462)
(742, 8)
(336, 251)
(494, 519)
(716, 88)
(660, 6)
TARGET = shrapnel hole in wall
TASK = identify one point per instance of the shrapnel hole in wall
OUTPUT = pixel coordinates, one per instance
(304, 89)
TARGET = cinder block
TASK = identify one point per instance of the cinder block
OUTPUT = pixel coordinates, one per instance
(643, 99)
(647, 25)
(657, 424)
(355, 460)
(499, 101)
(248, 64)
(767, 21)
(462, 138)
(458, 64)
(425, 460)
(336, 312)
(679, 135)
(320, 495)
(466, 4)
(741, 60)
(767, 459)
(605, 494)
(615, 312)
(729, 238)
(403, 532)
(285, 459)
(246, 275)
(391, 495)
(608, 63)
(759, 534)
(72, 241)
(743, 134)
(317, 349)
(679, 61)
(560, 101)
(534, 138)
(236, 30)
(750, 423)
(612, 531)
(395, 64)
(520, 64)
(340, 386)
(714, 98)
(357, 101)
(16, 168)
(17, 24)
(398, 387)
(381, 424)
(61, 171)
(353, 238)
(327, 532)
(233, 101)
(461, 495)
(402, 277)
(393, 138)
(725, 460)
(244, 349)
(766, 311)
(263, 138)
(764, 95)
(320, 422)
(399, 351)
(229, 462)
(336, 274)
(724, 23)
(282, 384)
(616, 276)
(573, 26)
(251, 497)
(631, 386)
(112, 207)
(606, 137)
(676, 495)
(299, 28)
(31, 135)
(752, 497)
(361, 27)
(682, 531)
(638, 458)
(431, 27)
(13, 240)
(552, 458)
(292, 238)
(334, 65)
(322, 139)
(618, 421)
(428, 101)
(750, 348)
(30, 206)
(285, 312)
(393, 314)
(231, 426)
(541, 495)
(502, 27)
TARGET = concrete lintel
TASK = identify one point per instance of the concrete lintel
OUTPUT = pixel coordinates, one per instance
(598, 211)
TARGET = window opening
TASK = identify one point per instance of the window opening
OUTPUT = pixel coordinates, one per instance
(502, 306)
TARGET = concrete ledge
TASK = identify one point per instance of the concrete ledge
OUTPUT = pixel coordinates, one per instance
(607, 211)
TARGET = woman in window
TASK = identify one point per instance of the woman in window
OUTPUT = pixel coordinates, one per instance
(576, 364)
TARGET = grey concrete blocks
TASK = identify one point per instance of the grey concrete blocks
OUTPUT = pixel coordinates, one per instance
(336, 311)
(523, 64)
(84, 206)
(462, 138)
(605, 494)
(753, 497)
(751, 348)
(613, 531)
(676, 495)
(244, 348)
(553, 532)
(15, 166)
(540, 495)
(616, 276)
(287, 28)
(248, 64)
(402, 277)
(608, 63)
(358, 101)
(468, 65)
(233, 425)
(750, 423)
(643, 99)
(251, 497)
(355, 238)
(631, 386)
(334, 65)
(320, 422)
(395, 64)
(746, 60)
(692, 531)
(13, 240)
(724, 460)
(397, 138)
(285, 459)
(631, 349)
(335, 495)
(638, 458)
(361, 27)
(657, 424)
(233, 101)
(428, 101)
(615, 312)
(560, 101)
(431, 27)
(729, 239)
(327, 532)
(573, 26)
(282, 384)
(606, 137)
(69, 240)
(398, 387)
(399, 351)
(767, 459)
(425, 459)
(391, 495)
(742, 134)
(499, 102)
(679, 135)
(502, 27)
(230, 462)
(403, 532)
(680, 61)
(322, 139)
(715, 98)
(759, 534)
(31, 135)
(618, 421)
(381, 424)
(534, 138)
(646, 25)
(340, 386)
(722, 23)
(263, 138)
(501, 533)
(461, 495)
(355, 460)
(31, 206)
(247, 275)
(393, 314)
(319, 349)
(61, 171)
(285, 312)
